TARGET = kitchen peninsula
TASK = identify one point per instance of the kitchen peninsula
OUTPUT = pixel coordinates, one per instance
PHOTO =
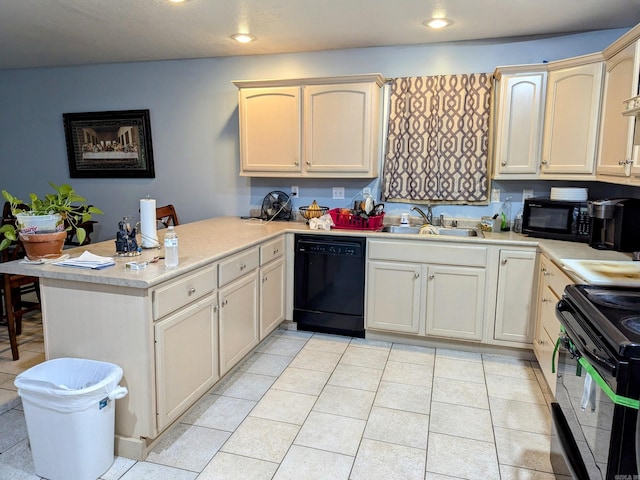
(176, 332)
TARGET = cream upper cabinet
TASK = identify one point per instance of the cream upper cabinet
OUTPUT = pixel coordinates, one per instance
(518, 116)
(268, 146)
(320, 127)
(572, 115)
(516, 272)
(615, 155)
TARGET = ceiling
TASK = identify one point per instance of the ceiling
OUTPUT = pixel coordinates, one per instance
(37, 33)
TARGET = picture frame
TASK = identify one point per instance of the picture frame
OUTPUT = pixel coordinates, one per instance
(110, 144)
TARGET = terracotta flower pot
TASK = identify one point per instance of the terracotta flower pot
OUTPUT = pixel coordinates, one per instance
(43, 245)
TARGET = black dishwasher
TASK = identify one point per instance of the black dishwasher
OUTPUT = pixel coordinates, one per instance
(329, 284)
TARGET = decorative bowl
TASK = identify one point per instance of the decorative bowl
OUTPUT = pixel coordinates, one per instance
(308, 214)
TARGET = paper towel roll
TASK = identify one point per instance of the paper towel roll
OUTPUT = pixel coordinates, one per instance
(148, 222)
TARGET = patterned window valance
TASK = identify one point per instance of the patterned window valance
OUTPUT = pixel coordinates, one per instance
(438, 139)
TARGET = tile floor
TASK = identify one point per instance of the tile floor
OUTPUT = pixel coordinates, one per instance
(312, 406)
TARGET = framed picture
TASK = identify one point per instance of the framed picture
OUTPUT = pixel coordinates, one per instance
(109, 144)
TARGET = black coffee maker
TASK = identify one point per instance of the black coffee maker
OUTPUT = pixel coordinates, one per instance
(615, 224)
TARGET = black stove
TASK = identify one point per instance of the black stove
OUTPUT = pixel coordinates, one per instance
(598, 384)
(614, 313)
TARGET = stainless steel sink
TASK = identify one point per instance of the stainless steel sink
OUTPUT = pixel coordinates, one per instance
(400, 229)
(459, 232)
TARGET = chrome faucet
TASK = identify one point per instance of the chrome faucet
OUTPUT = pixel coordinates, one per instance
(428, 217)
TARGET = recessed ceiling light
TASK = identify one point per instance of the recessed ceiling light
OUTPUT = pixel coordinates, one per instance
(437, 23)
(177, 1)
(243, 37)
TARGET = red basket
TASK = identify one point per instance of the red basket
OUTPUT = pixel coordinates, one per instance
(354, 222)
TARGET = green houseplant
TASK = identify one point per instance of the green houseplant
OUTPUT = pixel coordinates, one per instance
(69, 211)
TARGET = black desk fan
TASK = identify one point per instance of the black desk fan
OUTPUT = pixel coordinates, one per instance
(276, 206)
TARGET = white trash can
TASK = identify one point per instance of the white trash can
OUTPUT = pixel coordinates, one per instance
(70, 414)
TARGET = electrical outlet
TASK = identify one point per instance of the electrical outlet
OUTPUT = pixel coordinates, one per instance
(495, 194)
(527, 193)
(294, 191)
(338, 193)
(366, 191)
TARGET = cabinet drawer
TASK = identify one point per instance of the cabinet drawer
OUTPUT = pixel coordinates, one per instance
(237, 265)
(422, 251)
(271, 250)
(186, 289)
(555, 277)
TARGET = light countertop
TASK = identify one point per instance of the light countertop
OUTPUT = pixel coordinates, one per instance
(204, 242)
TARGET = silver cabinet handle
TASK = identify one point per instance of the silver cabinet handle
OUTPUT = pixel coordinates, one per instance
(275, 251)
(504, 261)
(191, 291)
(504, 163)
(544, 300)
(416, 275)
(296, 163)
(264, 279)
(544, 162)
(308, 163)
(224, 302)
(215, 308)
(243, 266)
(432, 276)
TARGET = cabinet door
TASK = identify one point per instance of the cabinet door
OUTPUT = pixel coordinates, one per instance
(571, 119)
(393, 296)
(455, 302)
(270, 130)
(616, 130)
(515, 290)
(519, 123)
(186, 358)
(341, 129)
(238, 320)
(547, 331)
(271, 296)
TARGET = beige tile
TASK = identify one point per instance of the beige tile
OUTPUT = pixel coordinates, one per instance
(462, 457)
(299, 334)
(507, 366)
(157, 472)
(13, 429)
(226, 466)
(219, 412)
(461, 421)
(408, 373)
(437, 476)
(353, 376)
(542, 381)
(301, 380)
(278, 345)
(347, 402)
(510, 388)
(395, 426)
(365, 357)
(332, 433)
(118, 468)
(265, 364)
(281, 406)
(460, 392)
(328, 343)
(26, 361)
(467, 371)
(523, 449)
(244, 385)
(386, 461)
(17, 463)
(529, 417)
(458, 355)
(318, 360)
(187, 447)
(412, 354)
(8, 399)
(366, 343)
(262, 439)
(513, 473)
(310, 464)
(400, 396)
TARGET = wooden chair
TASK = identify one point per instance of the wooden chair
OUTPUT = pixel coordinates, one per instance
(14, 287)
(167, 215)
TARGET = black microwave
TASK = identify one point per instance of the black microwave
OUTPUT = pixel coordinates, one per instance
(556, 219)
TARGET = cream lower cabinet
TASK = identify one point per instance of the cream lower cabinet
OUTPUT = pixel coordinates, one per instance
(238, 313)
(415, 288)
(514, 318)
(184, 340)
(551, 283)
(272, 285)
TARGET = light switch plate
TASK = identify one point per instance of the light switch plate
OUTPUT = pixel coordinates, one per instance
(338, 193)
(527, 193)
(495, 194)
(366, 191)
(294, 191)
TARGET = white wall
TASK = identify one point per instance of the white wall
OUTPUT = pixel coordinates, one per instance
(194, 119)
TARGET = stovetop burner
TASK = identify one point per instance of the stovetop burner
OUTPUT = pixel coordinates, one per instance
(614, 312)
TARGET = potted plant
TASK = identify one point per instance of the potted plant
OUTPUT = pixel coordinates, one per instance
(44, 222)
